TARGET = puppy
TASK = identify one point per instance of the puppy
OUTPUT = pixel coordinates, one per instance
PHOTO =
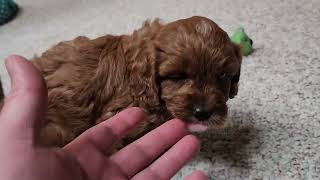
(187, 69)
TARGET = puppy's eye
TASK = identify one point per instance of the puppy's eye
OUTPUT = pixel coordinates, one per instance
(179, 77)
(222, 76)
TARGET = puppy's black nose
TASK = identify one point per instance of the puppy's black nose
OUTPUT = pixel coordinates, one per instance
(251, 42)
(200, 113)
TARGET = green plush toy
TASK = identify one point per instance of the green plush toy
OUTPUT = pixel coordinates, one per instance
(242, 39)
(8, 9)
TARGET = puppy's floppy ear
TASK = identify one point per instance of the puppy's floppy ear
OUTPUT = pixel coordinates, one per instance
(143, 82)
(108, 76)
(143, 67)
(238, 51)
(235, 79)
(234, 86)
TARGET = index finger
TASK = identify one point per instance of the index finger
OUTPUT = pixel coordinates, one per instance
(103, 135)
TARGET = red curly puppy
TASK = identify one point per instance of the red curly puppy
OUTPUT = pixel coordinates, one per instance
(187, 69)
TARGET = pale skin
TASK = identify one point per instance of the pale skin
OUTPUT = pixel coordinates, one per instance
(86, 157)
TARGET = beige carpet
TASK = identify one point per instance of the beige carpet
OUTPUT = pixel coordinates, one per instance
(276, 131)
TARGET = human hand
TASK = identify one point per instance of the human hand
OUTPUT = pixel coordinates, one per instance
(85, 158)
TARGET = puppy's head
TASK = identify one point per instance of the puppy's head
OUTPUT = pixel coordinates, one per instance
(198, 70)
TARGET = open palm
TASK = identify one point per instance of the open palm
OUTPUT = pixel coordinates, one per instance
(87, 156)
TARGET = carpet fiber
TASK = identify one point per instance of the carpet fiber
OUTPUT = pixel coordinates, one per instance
(276, 120)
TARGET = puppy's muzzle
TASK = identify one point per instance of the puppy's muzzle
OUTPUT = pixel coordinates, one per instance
(201, 113)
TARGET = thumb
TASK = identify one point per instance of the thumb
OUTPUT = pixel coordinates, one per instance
(27, 101)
